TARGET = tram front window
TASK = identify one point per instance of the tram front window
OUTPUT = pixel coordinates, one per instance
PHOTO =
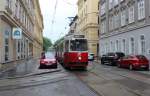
(78, 45)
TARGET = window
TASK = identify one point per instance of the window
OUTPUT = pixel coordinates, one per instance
(123, 18)
(9, 2)
(6, 45)
(121, 0)
(103, 8)
(102, 49)
(111, 23)
(22, 46)
(67, 46)
(141, 9)
(132, 48)
(16, 8)
(124, 45)
(18, 49)
(106, 47)
(79, 45)
(116, 2)
(117, 45)
(143, 45)
(131, 14)
(116, 21)
(110, 4)
(111, 46)
(103, 26)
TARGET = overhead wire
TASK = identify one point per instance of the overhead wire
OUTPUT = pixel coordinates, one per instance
(69, 3)
(54, 14)
(62, 33)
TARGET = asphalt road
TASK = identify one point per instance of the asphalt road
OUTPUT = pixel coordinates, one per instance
(98, 80)
(113, 81)
(51, 84)
(55, 82)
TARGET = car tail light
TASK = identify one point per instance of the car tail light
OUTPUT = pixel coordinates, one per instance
(54, 61)
(42, 62)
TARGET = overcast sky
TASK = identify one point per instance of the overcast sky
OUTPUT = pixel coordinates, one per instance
(65, 8)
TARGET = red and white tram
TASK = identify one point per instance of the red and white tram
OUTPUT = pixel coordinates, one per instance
(72, 52)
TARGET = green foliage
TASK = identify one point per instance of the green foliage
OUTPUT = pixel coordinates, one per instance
(46, 43)
(58, 41)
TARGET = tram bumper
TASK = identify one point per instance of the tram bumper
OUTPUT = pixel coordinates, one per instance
(78, 64)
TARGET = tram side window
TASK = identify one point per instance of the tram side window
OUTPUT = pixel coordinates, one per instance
(73, 45)
(67, 46)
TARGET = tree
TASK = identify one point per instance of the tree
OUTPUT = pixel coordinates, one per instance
(46, 43)
(58, 41)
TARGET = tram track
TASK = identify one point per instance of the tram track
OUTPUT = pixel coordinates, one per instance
(125, 74)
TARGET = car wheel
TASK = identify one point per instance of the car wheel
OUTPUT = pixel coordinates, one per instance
(147, 68)
(130, 67)
(85, 68)
(102, 62)
(41, 66)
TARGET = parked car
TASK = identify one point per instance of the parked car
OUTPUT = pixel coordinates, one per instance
(91, 56)
(134, 62)
(48, 61)
(111, 58)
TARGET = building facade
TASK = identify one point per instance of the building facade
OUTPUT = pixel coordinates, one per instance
(17, 14)
(38, 31)
(125, 26)
(88, 22)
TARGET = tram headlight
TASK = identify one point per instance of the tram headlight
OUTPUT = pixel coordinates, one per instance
(79, 58)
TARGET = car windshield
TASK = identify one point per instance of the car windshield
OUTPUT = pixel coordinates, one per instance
(111, 54)
(141, 57)
(120, 54)
(49, 55)
(78, 45)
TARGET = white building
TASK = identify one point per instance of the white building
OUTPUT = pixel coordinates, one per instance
(125, 26)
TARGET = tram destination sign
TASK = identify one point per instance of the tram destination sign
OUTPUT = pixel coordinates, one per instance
(78, 36)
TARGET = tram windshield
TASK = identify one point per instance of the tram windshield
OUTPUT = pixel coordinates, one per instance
(78, 45)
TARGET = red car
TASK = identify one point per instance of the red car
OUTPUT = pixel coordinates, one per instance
(48, 61)
(134, 62)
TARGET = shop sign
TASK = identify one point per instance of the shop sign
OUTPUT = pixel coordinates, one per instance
(17, 33)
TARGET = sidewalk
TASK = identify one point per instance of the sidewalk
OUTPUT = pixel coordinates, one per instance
(23, 69)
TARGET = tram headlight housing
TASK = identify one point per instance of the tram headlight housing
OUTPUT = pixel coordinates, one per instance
(79, 58)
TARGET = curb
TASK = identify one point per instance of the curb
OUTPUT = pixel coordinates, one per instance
(32, 74)
(97, 61)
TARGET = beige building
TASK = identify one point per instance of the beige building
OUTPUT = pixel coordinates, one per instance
(88, 22)
(38, 29)
(25, 15)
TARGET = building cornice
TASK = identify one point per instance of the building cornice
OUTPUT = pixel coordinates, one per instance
(90, 25)
(6, 17)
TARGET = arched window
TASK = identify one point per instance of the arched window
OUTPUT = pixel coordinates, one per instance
(124, 45)
(111, 46)
(132, 48)
(143, 45)
(117, 45)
